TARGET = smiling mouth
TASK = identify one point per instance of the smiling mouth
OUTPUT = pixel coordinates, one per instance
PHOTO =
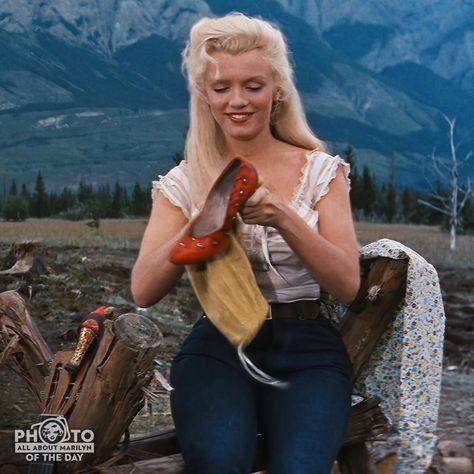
(240, 118)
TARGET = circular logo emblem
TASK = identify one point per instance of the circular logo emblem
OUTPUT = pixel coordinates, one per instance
(52, 431)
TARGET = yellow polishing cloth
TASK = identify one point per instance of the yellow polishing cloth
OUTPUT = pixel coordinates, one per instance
(225, 286)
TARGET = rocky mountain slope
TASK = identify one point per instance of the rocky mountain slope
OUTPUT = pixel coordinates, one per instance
(372, 73)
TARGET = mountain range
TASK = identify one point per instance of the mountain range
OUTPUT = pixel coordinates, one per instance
(94, 88)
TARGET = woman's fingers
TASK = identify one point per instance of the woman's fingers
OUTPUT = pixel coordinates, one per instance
(263, 208)
(257, 197)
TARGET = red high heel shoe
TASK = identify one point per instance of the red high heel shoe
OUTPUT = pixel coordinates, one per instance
(210, 230)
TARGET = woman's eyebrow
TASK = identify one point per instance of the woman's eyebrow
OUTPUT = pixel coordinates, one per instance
(227, 81)
(256, 78)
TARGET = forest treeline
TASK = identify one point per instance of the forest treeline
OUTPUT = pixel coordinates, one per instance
(372, 201)
(84, 202)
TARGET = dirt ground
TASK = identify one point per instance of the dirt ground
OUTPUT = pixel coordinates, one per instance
(85, 278)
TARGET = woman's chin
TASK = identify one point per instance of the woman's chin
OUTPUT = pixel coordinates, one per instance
(243, 134)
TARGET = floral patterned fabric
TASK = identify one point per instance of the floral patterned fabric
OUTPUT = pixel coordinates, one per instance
(406, 366)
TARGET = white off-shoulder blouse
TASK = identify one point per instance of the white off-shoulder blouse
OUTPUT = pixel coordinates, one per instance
(279, 272)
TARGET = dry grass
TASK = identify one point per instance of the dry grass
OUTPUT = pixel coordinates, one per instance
(112, 233)
(428, 241)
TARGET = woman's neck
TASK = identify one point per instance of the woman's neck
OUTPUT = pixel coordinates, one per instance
(250, 149)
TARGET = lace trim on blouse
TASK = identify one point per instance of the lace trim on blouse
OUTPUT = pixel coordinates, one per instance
(316, 174)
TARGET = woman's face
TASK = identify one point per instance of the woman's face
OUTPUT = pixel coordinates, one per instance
(240, 97)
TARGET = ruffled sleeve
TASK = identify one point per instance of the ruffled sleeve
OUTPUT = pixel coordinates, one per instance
(323, 169)
(175, 187)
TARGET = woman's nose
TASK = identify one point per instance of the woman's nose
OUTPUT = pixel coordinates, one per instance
(238, 99)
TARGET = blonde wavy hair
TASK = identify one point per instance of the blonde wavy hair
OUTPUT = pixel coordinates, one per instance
(236, 33)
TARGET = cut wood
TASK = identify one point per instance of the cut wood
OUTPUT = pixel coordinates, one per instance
(107, 392)
(109, 383)
(368, 317)
(25, 351)
(170, 465)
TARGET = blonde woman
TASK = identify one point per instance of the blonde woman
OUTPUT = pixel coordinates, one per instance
(299, 237)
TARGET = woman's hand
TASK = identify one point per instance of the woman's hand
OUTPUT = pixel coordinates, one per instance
(264, 208)
(330, 252)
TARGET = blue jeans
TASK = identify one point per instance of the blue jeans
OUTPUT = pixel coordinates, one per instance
(218, 408)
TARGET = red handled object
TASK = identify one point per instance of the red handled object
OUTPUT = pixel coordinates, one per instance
(90, 328)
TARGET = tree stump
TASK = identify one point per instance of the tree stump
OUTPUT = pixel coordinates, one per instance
(25, 258)
(107, 392)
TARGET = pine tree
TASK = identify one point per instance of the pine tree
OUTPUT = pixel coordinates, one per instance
(53, 203)
(126, 202)
(85, 192)
(66, 201)
(391, 193)
(104, 201)
(116, 208)
(390, 202)
(40, 200)
(380, 203)
(368, 192)
(355, 185)
(407, 202)
(15, 208)
(24, 192)
(139, 201)
(13, 190)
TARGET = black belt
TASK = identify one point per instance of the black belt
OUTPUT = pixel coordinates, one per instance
(303, 309)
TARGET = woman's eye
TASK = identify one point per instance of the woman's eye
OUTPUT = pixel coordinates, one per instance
(255, 87)
(220, 89)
